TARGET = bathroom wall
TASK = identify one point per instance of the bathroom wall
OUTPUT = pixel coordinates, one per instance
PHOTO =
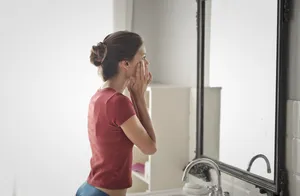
(164, 29)
(169, 32)
(46, 82)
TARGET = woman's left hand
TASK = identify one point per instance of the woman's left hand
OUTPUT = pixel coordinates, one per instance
(132, 80)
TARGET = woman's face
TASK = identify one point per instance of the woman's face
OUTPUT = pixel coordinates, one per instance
(140, 57)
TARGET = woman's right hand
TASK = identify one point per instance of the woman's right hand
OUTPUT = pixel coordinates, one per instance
(138, 84)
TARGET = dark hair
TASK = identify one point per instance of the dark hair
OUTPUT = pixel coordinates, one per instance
(116, 47)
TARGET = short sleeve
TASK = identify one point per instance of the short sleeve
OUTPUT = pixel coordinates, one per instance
(119, 109)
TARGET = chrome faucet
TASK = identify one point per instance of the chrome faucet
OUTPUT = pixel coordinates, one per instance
(259, 156)
(215, 190)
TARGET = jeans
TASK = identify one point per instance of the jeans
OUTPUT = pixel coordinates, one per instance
(88, 190)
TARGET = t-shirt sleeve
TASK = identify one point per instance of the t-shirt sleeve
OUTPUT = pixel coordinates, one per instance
(119, 109)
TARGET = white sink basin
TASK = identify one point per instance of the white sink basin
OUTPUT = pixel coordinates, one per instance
(171, 192)
(188, 190)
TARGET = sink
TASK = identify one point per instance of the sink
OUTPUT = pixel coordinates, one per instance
(177, 195)
(170, 192)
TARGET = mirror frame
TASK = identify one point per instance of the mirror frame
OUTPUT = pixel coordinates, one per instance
(278, 185)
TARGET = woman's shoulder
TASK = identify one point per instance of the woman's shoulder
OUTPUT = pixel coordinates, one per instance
(118, 99)
(113, 98)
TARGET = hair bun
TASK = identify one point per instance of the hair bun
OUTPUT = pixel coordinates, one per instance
(98, 54)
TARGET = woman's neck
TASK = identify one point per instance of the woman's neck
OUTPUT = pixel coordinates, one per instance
(119, 84)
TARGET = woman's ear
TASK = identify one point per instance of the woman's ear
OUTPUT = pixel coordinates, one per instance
(124, 64)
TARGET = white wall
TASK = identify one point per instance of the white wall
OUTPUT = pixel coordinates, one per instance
(169, 30)
(144, 18)
(46, 81)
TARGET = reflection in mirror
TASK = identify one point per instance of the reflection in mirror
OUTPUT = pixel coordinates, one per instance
(240, 85)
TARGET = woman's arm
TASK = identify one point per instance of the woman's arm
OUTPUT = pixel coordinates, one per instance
(134, 104)
(139, 129)
(142, 113)
(120, 111)
(144, 116)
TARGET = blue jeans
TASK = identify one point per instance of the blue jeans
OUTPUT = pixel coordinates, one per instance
(88, 190)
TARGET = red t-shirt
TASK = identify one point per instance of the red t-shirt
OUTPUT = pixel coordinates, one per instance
(111, 160)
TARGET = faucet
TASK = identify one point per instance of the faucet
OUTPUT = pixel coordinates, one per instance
(215, 190)
(260, 156)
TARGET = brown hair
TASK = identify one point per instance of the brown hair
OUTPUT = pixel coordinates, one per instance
(116, 47)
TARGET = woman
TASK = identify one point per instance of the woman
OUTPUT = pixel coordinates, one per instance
(115, 123)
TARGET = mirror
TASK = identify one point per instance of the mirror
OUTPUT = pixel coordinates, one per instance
(242, 87)
(241, 83)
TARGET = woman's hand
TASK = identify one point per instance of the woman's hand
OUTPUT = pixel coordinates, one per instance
(138, 84)
(149, 78)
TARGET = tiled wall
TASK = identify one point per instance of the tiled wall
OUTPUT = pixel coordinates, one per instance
(293, 105)
(293, 146)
